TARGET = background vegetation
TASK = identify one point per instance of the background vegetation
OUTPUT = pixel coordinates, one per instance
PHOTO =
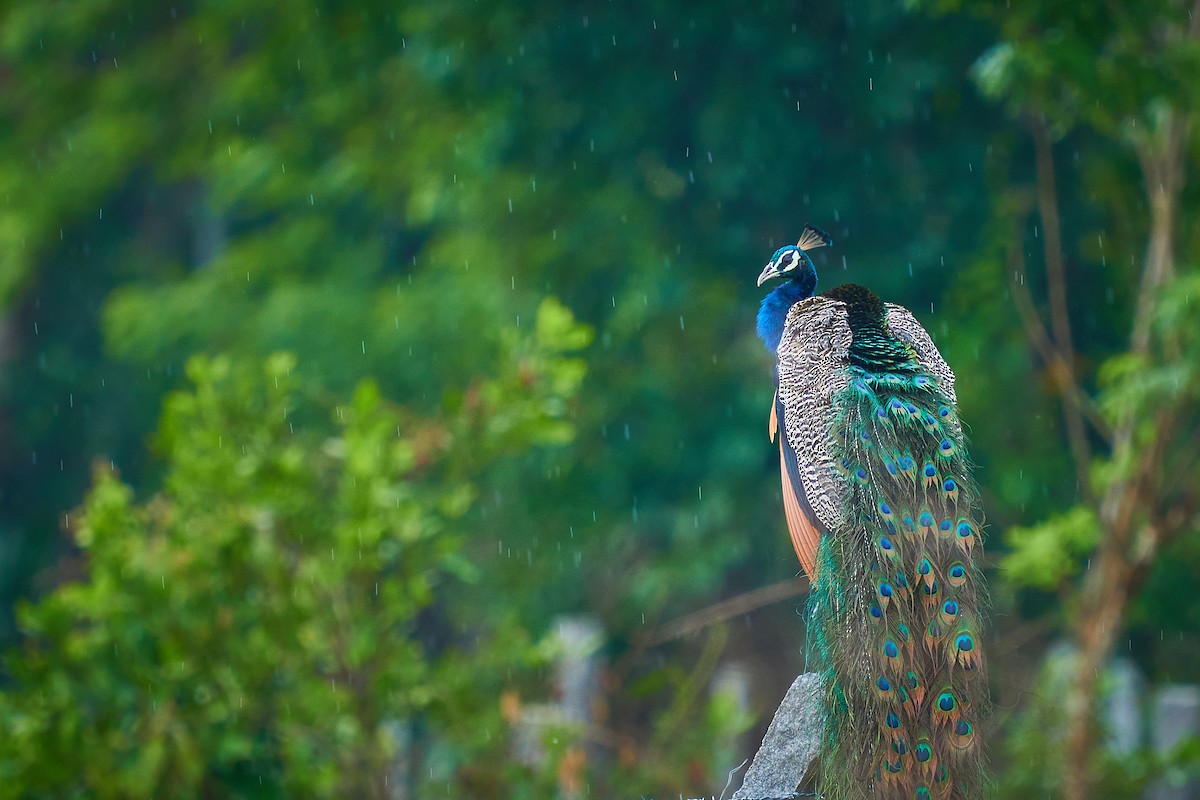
(344, 347)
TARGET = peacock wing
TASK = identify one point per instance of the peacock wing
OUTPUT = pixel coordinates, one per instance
(904, 326)
(809, 373)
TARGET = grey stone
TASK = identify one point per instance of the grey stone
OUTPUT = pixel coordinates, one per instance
(791, 743)
(1176, 717)
(578, 665)
(1123, 708)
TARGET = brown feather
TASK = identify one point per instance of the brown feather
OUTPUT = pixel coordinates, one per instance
(805, 536)
(773, 425)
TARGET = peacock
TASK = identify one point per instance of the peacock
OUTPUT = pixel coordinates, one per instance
(885, 519)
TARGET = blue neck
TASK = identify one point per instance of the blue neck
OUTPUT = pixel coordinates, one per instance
(774, 309)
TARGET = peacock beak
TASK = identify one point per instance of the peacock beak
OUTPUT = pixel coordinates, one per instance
(767, 273)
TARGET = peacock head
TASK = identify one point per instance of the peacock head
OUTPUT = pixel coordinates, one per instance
(788, 262)
(792, 262)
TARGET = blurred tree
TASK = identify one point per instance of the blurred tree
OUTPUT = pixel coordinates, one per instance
(1127, 78)
(255, 627)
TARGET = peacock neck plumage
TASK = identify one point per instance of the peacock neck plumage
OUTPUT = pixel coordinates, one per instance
(873, 348)
(772, 313)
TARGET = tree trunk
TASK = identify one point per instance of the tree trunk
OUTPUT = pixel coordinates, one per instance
(1127, 544)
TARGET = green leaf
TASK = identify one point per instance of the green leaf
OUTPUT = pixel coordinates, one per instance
(1044, 555)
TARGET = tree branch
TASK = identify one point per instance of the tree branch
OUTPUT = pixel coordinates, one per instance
(1056, 283)
(724, 610)
(1036, 332)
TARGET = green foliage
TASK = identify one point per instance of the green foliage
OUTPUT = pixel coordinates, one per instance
(255, 627)
(1043, 555)
(1057, 60)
